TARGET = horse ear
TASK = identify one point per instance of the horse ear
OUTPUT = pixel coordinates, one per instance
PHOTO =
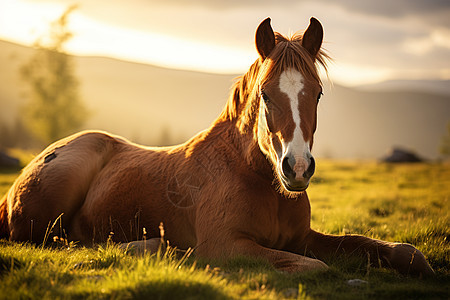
(312, 38)
(265, 39)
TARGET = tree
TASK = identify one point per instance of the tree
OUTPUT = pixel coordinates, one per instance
(55, 109)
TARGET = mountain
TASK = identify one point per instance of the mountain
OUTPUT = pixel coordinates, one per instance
(154, 105)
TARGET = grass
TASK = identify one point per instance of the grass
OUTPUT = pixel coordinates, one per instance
(403, 203)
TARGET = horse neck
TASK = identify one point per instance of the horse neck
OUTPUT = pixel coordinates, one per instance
(240, 147)
(237, 123)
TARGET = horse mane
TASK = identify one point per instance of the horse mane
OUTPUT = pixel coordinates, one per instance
(288, 53)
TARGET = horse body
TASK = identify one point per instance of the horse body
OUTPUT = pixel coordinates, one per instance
(114, 186)
(237, 188)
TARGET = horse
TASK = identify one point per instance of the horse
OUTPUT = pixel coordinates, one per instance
(237, 188)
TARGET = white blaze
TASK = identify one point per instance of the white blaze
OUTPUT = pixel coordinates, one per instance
(291, 83)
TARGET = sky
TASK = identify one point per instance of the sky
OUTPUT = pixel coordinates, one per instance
(369, 41)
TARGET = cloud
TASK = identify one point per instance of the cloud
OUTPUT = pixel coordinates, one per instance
(229, 4)
(435, 12)
(380, 7)
(439, 38)
(394, 8)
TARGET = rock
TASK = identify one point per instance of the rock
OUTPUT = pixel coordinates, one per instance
(356, 282)
(8, 161)
(399, 155)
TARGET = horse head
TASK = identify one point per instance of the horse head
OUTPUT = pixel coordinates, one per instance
(289, 90)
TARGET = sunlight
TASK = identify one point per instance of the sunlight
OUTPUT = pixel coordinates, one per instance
(30, 20)
(91, 37)
(153, 48)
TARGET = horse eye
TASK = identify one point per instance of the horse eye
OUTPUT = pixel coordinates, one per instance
(265, 97)
(318, 97)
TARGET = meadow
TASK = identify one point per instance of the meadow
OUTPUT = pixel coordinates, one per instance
(401, 202)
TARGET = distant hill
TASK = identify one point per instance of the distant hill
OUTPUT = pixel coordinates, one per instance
(153, 105)
(363, 124)
(439, 87)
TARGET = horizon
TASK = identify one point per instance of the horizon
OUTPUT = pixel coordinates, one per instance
(414, 44)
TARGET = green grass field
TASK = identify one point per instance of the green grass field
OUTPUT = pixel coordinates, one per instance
(403, 203)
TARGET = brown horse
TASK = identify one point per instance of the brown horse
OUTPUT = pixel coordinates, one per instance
(237, 188)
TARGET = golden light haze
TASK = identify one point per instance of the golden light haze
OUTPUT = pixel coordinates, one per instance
(368, 43)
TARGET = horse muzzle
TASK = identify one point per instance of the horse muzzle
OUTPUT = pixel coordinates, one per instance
(291, 179)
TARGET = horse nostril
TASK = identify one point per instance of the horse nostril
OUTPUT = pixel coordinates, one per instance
(311, 168)
(287, 169)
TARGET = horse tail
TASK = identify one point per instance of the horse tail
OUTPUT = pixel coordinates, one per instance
(4, 227)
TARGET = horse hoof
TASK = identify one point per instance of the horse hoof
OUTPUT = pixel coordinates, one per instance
(408, 260)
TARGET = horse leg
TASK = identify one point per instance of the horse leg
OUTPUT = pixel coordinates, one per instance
(404, 258)
(281, 260)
